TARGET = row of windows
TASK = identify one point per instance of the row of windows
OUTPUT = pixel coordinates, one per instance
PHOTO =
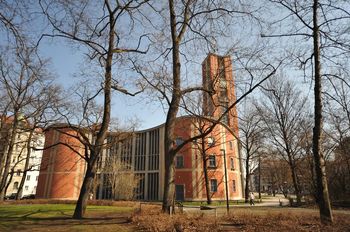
(28, 177)
(213, 164)
(214, 185)
(16, 184)
(179, 162)
(210, 140)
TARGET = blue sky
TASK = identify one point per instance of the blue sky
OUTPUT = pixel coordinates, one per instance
(66, 61)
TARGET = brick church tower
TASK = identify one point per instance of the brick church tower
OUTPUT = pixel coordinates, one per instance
(217, 77)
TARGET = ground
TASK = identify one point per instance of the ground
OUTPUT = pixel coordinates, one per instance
(57, 217)
(119, 216)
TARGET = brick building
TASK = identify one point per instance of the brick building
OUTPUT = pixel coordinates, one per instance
(143, 151)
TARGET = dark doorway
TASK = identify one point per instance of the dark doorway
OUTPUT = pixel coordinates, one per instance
(179, 192)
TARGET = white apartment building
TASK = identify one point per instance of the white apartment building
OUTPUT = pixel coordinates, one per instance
(18, 161)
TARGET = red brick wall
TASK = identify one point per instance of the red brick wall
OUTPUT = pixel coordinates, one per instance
(61, 168)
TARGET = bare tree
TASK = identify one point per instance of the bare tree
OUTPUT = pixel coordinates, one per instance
(25, 80)
(106, 29)
(189, 28)
(251, 138)
(318, 27)
(283, 113)
(120, 177)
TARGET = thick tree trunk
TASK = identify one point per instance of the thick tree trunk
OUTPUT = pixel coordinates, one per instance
(80, 207)
(321, 179)
(169, 185)
(169, 188)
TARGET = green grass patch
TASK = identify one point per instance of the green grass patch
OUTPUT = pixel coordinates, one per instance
(58, 217)
(51, 210)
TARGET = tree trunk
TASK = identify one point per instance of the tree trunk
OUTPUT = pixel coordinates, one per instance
(4, 179)
(247, 176)
(321, 179)
(169, 187)
(296, 184)
(26, 165)
(259, 177)
(205, 171)
(12, 172)
(80, 207)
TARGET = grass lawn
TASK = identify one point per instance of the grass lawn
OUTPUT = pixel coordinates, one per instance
(57, 217)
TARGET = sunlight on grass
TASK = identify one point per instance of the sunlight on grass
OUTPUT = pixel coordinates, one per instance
(58, 217)
(51, 210)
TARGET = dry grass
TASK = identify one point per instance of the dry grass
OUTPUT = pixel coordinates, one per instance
(151, 219)
(242, 219)
(284, 220)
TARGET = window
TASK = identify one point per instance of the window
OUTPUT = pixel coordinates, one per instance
(225, 118)
(15, 185)
(234, 186)
(28, 177)
(211, 141)
(178, 141)
(223, 95)
(179, 161)
(26, 187)
(19, 172)
(212, 161)
(232, 163)
(223, 83)
(213, 185)
(231, 145)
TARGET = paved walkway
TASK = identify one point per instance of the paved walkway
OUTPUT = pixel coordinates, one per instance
(267, 202)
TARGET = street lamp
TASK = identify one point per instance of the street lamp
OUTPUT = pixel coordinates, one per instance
(226, 187)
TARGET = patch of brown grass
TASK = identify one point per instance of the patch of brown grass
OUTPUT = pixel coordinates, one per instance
(151, 219)
(284, 219)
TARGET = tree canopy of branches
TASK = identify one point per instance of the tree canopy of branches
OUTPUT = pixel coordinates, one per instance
(319, 30)
(283, 113)
(29, 96)
(251, 140)
(107, 31)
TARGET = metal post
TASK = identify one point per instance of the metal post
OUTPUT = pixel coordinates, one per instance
(226, 187)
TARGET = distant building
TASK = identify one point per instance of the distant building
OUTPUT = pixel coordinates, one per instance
(275, 177)
(18, 157)
(62, 169)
